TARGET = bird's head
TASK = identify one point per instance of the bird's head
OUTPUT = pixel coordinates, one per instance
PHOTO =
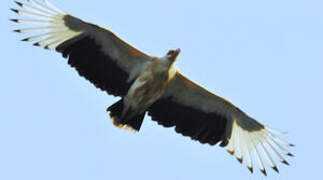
(172, 55)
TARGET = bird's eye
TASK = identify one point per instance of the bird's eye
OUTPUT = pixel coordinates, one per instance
(171, 52)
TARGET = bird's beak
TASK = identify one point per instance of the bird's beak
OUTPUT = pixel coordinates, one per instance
(175, 54)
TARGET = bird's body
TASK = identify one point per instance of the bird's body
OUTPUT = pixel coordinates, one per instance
(147, 88)
(151, 84)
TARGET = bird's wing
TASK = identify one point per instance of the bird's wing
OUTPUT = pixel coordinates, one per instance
(208, 118)
(96, 53)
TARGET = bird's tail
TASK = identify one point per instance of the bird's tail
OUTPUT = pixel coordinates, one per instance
(124, 122)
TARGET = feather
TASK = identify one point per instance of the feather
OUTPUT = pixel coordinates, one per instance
(279, 157)
(32, 9)
(35, 22)
(42, 7)
(55, 8)
(59, 40)
(30, 14)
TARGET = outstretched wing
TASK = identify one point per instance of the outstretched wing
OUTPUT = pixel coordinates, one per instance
(208, 118)
(97, 54)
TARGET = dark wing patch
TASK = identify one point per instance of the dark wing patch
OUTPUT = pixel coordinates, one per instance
(86, 56)
(188, 118)
(189, 121)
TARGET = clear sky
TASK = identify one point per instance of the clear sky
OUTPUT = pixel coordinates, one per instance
(264, 56)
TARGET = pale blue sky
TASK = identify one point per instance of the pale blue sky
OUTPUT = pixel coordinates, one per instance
(264, 56)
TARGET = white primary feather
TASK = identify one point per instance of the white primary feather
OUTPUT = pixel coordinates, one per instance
(33, 14)
(247, 151)
(33, 9)
(53, 32)
(34, 22)
(55, 8)
(58, 40)
(256, 145)
(43, 7)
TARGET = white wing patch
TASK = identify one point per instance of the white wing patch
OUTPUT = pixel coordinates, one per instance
(257, 146)
(52, 30)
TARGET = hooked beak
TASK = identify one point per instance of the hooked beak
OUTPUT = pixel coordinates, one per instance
(175, 54)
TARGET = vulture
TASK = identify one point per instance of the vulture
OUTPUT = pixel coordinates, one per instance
(150, 84)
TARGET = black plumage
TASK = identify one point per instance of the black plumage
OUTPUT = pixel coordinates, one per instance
(85, 55)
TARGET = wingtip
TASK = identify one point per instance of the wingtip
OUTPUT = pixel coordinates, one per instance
(231, 152)
(250, 169)
(14, 10)
(264, 171)
(275, 168)
(47, 47)
(26, 39)
(285, 162)
(14, 20)
(290, 154)
(19, 3)
(17, 30)
(36, 44)
(239, 159)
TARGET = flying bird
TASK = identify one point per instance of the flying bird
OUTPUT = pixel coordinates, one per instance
(150, 84)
